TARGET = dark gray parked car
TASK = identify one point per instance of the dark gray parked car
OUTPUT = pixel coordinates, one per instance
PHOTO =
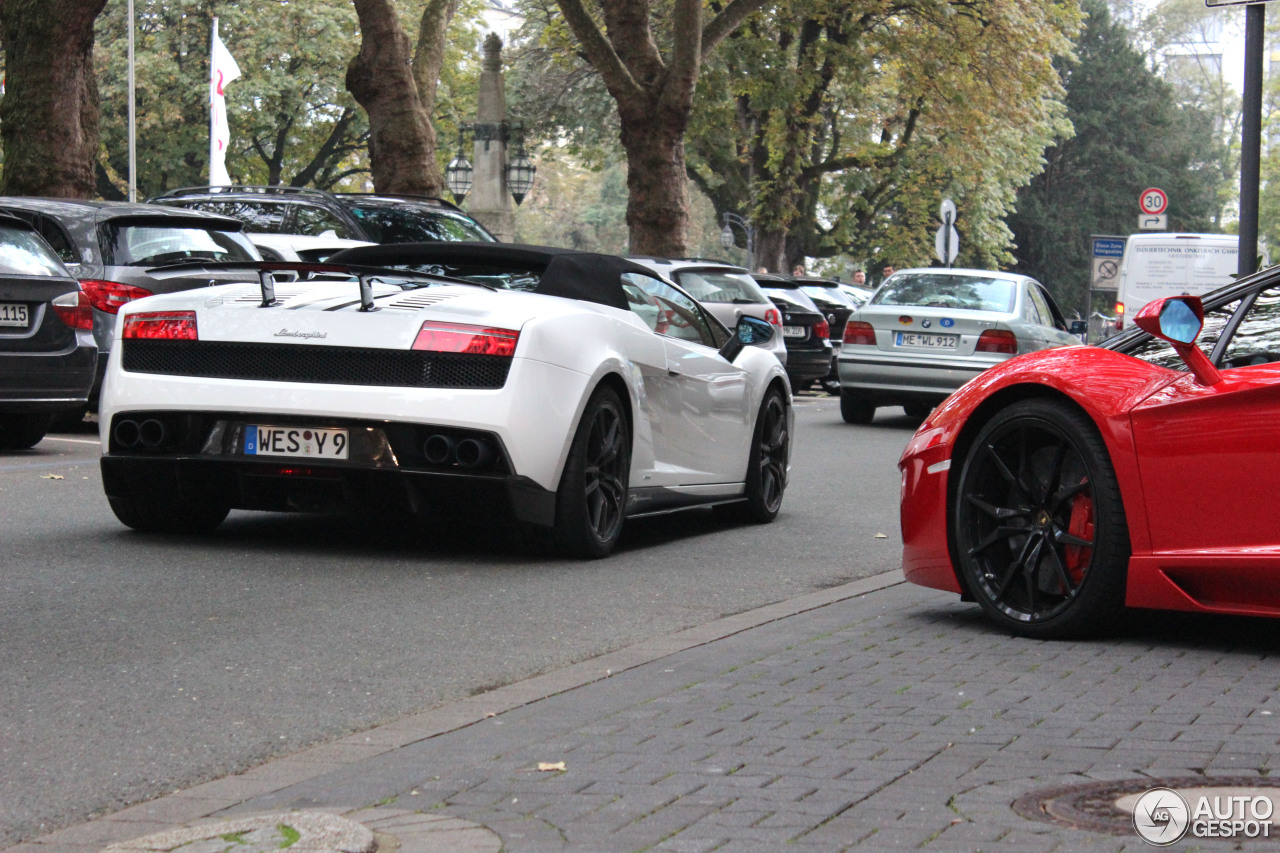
(47, 353)
(121, 252)
(372, 217)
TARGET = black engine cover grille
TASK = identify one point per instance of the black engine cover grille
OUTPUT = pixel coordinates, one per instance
(319, 364)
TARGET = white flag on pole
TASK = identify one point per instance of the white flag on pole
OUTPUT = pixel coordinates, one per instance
(222, 70)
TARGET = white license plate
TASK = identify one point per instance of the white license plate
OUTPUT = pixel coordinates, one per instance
(13, 314)
(306, 442)
(794, 332)
(914, 339)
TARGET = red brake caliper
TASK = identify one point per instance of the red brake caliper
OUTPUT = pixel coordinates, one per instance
(1081, 526)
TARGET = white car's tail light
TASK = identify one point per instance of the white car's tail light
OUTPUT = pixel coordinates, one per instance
(858, 332)
(459, 337)
(162, 325)
(108, 296)
(74, 309)
(997, 340)
(774, 317)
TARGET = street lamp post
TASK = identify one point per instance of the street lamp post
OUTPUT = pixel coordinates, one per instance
(727, 239)
(494, 179)
(519, 170)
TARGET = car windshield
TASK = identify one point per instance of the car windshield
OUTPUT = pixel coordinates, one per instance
(153, 244)
(503, 277)
(408, 224)
(793, 297)
(827, 294)
(945, 290)
(22, 252)
(721, 286)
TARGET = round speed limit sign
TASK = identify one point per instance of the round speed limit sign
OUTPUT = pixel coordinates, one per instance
(1153, 201)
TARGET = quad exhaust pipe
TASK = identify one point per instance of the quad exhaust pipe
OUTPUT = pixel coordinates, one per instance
(472, 453)
(149, 433)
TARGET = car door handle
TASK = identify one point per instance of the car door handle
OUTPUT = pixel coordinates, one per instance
(672, 371)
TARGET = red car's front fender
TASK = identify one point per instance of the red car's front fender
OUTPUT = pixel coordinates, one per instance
(1105, 385)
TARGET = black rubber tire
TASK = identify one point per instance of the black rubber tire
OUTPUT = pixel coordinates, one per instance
(767, 467)
(1039, 526)
(591, 501)
(19, 432)
(917, 410)
(855, 409)
(171, 516)
(70, 420)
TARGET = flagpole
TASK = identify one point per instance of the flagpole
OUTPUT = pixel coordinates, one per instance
(213, 70)
(133, 118)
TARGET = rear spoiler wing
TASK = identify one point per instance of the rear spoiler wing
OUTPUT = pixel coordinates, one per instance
(268, 271)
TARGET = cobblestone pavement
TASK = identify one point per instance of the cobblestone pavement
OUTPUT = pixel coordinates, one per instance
(877, 716)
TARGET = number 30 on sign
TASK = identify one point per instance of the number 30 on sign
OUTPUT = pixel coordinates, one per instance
(1153, 201)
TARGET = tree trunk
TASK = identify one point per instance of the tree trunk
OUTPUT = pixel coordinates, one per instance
(49, 116)
(654, 96)
(402, 141)
(658, 203)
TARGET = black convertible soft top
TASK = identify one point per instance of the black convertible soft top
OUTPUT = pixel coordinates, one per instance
(585, 276)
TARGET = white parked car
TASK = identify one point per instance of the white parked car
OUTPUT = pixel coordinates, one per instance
(727, 291)
(575, 389)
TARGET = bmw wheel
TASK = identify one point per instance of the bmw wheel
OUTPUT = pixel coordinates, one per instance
(855, 409)
(18, 432)
(1039, 526)
(592, 498)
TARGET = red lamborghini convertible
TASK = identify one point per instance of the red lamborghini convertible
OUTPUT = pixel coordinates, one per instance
(1063, 486)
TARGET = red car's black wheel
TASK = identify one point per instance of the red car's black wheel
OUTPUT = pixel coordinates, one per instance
(592, 498)
(1039, 526)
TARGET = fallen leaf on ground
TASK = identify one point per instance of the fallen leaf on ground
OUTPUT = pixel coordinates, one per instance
(52, 477)
(550, 765)
(881, 536)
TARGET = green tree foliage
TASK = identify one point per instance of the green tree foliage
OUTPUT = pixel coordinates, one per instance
(839, 125)
(1131, 133)
(292, 120)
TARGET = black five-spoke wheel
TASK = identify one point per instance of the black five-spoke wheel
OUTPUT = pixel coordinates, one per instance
(592, 498)
(770, 452)
(1039, 526)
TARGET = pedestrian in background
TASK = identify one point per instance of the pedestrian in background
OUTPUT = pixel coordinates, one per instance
(860, 278)
(798, 269)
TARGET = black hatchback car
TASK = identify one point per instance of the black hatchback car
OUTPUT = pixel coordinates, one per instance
(805, 331)
(354, 216)
(47, 353)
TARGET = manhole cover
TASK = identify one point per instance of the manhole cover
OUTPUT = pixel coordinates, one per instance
(1108, 806)
(313, 832)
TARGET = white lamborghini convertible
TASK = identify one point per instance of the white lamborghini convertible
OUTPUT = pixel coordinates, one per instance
(574, 389)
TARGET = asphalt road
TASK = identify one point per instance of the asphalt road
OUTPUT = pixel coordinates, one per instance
(137, 665)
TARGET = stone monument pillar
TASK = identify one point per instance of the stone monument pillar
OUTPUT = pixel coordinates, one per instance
(490, 201)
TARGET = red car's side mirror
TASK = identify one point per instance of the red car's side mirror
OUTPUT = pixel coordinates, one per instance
(1178, 320)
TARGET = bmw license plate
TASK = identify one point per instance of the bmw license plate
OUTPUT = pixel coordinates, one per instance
(13, 314)
(915, 339)
(794, 332)
(293, 441)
